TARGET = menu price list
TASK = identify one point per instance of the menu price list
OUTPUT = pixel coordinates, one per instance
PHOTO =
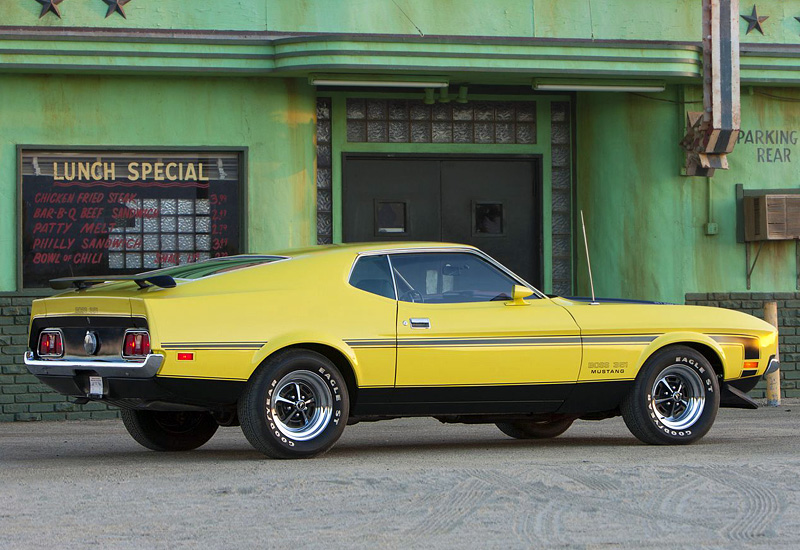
(69, 231)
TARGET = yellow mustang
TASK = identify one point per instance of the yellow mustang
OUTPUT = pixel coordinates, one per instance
(293, 346)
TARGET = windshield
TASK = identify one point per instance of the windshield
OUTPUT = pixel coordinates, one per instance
(205, 268)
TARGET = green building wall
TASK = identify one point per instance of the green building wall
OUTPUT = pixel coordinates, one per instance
(274, 117)
(235, 74)
(646, 222)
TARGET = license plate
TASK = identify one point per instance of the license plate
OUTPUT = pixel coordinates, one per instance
(95, 385)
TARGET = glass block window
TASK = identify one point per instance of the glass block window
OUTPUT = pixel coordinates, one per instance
(117, 212)
(561, 164)
(324, 175)
(174, 231)
(412, 121)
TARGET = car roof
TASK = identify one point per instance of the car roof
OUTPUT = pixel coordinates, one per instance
(358, 248)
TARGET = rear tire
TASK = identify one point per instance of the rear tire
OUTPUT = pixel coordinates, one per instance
(295, 405)
(169, 431)
(674, 399)
(535, 429)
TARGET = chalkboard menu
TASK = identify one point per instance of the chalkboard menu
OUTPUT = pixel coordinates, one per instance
(111, 213)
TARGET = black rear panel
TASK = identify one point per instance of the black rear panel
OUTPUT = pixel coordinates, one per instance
(109, 331)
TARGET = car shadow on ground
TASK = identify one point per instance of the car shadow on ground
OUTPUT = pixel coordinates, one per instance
(344, 449)
(457, 444)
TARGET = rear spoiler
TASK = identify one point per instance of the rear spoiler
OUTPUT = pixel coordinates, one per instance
(143, 280)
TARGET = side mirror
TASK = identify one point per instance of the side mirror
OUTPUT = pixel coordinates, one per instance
(518, 294)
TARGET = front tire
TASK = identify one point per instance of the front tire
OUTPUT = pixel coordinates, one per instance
(535, 429)
(674, 399)
(169, 431)
(295, 405)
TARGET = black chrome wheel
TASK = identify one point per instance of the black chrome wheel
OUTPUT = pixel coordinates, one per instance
(295, 405)
(678, 397)
(302, 405)
(674, 399)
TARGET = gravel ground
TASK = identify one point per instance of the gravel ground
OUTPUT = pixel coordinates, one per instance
(407, 483)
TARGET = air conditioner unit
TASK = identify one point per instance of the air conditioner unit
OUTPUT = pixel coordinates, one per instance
(771, 217)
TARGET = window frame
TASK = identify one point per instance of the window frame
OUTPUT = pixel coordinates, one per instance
(391, 272)
(375, 228)
(443, 250)
(475, 204)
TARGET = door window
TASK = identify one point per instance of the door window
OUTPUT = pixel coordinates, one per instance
(448, 278)
(488, 218)
(390, 217)
(371, 274)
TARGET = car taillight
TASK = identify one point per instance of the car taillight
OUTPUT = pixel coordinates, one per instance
(51, 343)
(137, 344)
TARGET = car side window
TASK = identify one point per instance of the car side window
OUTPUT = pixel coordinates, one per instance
(371, 274)
(448, 278)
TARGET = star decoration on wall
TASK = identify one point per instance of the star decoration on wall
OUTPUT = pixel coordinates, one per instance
(116, 6)
(754, 21)
(50, 6)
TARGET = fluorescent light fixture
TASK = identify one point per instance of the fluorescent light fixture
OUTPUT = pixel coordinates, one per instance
(378, 81)
(552, 85)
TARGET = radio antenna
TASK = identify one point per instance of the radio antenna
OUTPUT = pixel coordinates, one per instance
(588, 262)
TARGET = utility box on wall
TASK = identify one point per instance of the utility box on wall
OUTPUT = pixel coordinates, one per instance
(771, 217)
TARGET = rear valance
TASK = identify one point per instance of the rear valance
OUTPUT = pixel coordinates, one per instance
(143, 280)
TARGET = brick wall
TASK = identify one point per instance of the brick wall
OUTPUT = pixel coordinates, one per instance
(788, 329)
(22, 397)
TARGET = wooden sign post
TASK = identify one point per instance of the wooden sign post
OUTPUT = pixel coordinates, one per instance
(773, 379)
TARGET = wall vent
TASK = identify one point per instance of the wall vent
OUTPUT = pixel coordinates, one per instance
(771, 217)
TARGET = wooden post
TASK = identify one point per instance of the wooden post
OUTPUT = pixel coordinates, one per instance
(774, 379)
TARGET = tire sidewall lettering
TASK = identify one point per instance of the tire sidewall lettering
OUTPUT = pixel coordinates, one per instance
(329, 378)
(705, 376)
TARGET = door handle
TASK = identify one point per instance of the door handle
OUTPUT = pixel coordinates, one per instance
(420, 322)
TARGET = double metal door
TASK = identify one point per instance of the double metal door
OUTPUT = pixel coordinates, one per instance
(487, 201)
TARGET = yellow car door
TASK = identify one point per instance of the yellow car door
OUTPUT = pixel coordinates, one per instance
(370, 311)
(457, 327)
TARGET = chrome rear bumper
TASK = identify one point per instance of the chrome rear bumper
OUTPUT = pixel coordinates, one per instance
(117, 369)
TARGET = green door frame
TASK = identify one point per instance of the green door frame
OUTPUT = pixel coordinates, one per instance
(340, 146)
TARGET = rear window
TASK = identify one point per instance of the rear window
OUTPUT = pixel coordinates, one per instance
(371, 274)
(205, 268)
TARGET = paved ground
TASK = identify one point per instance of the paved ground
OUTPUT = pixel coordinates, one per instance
(407, 483)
